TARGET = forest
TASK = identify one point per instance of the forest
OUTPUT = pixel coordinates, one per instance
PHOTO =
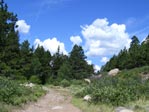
(136, 56)
(22, 62)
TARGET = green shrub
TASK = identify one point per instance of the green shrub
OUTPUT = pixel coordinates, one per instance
(35, 79)
(78, 82)
(13, 93)
(65, 83)
(119, 90)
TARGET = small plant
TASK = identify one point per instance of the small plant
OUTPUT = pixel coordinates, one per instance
(35, 79)
(65, 83)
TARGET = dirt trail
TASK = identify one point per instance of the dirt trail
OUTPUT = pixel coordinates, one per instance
(54, 101)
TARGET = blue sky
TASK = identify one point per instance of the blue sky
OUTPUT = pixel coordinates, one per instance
(102, 27)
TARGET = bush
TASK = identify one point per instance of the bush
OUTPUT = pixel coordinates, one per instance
(35, 79)
(119, 90)
(65, 83)
(12, 92)
(78, 82)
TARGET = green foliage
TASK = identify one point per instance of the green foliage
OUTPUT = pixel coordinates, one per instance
(42, 68)
(21, 62)
(136, 56)
(65, 71)
(126, 87)
(78, 82)
(26, 54)
(80, 68)
(65, 83)
(58, 69)
(12, 92)
(9, 41)
(35, 79)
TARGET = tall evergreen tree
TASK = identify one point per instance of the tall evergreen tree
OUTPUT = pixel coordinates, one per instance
(134, 52)
(57, 61)
(145, 51)
(26, 57)
(9, 41)
(77, 59)
(137, 55)
(43, 58)
(65, 71)
(123, 59)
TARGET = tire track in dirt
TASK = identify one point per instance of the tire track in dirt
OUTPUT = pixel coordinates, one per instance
(53, 101)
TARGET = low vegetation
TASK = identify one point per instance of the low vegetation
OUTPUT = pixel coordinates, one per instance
(127, 87)
(136, 106)
(119, 90)
(89, 107)
(12, 93)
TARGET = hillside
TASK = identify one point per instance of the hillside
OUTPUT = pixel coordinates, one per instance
(129, 88)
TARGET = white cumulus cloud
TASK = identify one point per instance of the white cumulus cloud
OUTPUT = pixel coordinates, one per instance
(104, 39)
(104, 59)
(97, 68)
(51, 45)
(76, 40)
(23, 27)
(89, 62)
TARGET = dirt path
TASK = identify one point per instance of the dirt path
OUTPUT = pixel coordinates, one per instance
(54, 101)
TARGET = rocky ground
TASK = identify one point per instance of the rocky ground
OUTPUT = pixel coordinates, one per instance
(53, 101)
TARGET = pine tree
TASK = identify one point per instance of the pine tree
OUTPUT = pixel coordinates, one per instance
(57, 61)
(77, 60)
(145, 51)
(9, 42)
(26, 57)
(137, 55)
(65, 71)
(43, 58)
(134, 52)
(123, 59)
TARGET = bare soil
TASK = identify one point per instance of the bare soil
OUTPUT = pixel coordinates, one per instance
(54, 101)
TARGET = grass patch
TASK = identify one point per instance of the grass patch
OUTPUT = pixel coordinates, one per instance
(89, 107)
(141, 105)
(4, 107)
(137, 106)
(12, 94)
(126, 87)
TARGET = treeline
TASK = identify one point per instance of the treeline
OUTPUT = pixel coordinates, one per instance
(136, 56)
(19, 61)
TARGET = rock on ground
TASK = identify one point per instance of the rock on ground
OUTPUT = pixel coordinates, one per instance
(87, 98)
(113, 72)
(122, 109)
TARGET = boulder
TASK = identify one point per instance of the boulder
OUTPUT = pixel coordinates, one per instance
(28, 85)
(113, 72)
(145, 76)
(122, 109)
(87, 80)
(87, 98)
